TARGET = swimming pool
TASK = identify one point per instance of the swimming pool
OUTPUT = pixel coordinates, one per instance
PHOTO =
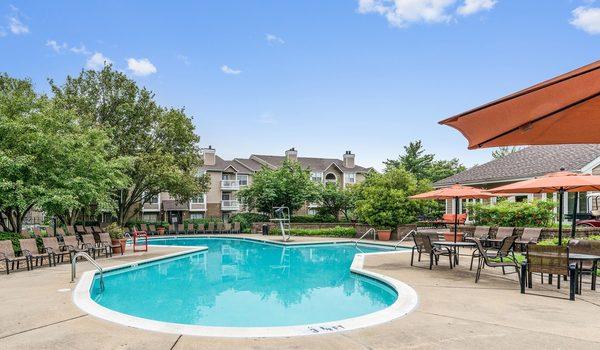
(245, 284)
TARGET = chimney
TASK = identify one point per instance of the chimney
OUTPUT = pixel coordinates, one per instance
(349, 160)
(208, 155)
(291, 154)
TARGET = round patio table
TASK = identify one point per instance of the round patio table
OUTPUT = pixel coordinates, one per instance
(455, 247)
(579, 259)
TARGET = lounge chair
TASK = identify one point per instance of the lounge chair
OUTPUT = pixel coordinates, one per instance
(97, 229)
(530, 235)
(210, 227)
(481, 232)
(50, 231)
(171, 229)
(144, 227)
(501, 234)
(484, 258)
(152, 229)
(236, 227)
(550, 260)
(37, 232)
(25, 233)
(52, 248)
(59, 231)
(106, 242)
(227, 228)
(423, 246)
(89, 242)
(7, 253)
(88, 229)
(190, 229)
(72, 245)
(71, 231)
(79, 229)
(200, 229)
(219, 227)
(29, 249)
(501, 253)
(586, 247)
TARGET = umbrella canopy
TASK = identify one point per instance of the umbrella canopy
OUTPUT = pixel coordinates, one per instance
(560, 182)
(455, 192)
(562, 110)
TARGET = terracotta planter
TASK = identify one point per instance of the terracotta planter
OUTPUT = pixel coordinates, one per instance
(384, 235)
(450, 237)
(121, 242)
(161, 230)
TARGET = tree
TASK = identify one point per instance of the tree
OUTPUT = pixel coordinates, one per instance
(333, 200)
(504, 151)
(382, 199)
(48, 156)
(422, 165)
(290, 186)
(159, 142)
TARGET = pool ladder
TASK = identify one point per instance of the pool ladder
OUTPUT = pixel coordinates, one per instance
(88, 258)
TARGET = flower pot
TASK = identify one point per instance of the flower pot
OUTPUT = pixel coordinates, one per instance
(121, 242)
(450, 237)
(161, 230)
(384, 235)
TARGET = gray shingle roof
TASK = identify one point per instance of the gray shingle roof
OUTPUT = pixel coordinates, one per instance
(527, 163)
(315, 164)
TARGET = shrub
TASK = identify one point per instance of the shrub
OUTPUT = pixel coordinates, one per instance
(247, 219)
(115, 231)
(325, 232)
(313, 218)
(565, 240)
(518, 214)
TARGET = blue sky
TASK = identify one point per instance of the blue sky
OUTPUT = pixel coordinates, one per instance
(322, 76)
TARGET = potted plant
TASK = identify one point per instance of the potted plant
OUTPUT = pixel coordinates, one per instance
(384, 234)
(117, 237)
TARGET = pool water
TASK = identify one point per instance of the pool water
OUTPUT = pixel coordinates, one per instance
(243, 283)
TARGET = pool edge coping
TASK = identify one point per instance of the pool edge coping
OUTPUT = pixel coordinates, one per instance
(406, 302)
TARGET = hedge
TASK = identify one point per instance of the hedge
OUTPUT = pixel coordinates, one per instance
(247, 219)
(337, 231)
(513, 214)
(307, 219)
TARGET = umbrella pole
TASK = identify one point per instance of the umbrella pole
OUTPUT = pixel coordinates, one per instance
(561, 193)
(574, 222)
(456, 203)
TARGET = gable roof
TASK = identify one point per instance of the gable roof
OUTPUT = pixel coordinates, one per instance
(314, 164)
(527, 163)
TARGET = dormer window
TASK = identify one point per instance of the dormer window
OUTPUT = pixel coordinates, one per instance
(330, 178)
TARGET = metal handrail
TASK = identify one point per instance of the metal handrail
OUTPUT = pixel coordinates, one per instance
(365, 234)
(403, 238)
(91, 260)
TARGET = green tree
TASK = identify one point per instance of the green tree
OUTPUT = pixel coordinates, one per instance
(504, 151)
(382, 199)
(333, 200)
(48, 157)
(290, 186)
(160, 142)
(423, 165)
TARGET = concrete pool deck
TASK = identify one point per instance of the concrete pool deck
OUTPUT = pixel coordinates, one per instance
(37, 312)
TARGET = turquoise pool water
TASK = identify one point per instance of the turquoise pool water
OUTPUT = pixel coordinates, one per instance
(242, 283)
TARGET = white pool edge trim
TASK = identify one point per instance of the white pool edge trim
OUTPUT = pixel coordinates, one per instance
(407, 301)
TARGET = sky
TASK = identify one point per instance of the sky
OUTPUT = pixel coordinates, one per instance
(321, 76)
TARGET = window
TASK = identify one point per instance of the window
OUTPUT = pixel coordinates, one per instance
(225, 196)
(349, 178)
(198, 199)
(151, 200)
(243, 180)
(330, 178)
(227, 176)
(149, 217)
(194, 216)
(316, 176)
(312, 211)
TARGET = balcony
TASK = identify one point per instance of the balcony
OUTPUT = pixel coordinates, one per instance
(231, 185)
(230, 205)
(197, 206)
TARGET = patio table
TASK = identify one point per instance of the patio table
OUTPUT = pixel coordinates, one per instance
(579, 259)
(455, 247)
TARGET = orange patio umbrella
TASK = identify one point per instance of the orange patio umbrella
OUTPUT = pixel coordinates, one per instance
(562, 110)
(455, 192)
(560, 182)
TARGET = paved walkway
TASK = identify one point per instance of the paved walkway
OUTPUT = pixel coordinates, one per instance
(36, 312)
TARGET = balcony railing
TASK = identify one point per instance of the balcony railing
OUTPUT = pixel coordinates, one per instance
(197, 206)
(230, 205)
(230, 185)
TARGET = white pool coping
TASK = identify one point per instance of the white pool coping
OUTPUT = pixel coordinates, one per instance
(407, 301)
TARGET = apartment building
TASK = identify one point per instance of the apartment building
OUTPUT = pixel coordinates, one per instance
(228, 176)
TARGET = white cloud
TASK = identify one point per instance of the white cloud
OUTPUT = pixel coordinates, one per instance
(400, 13)
(227, 70)
(587, 19)
(16, 26)
(473, 6)
(54, 45)
(80, 50)
(97, 61)
(274, 39)
(266, 118)
(141, 67)
(184, 59)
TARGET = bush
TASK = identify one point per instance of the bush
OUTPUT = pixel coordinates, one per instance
(247, 219)
(565, 240)
(513, 214)
(325, 232)
(306, 219)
